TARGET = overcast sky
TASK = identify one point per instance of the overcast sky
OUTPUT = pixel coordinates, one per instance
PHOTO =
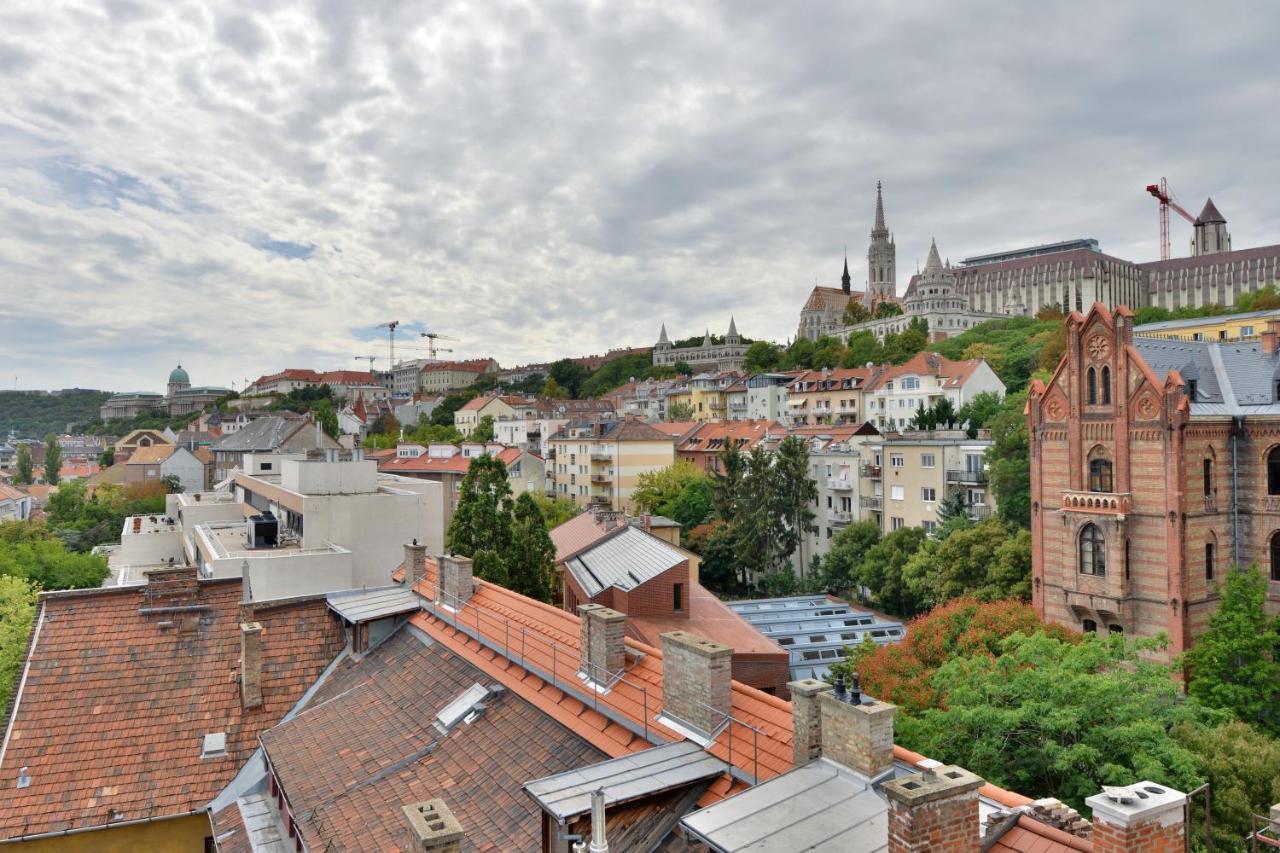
(244, 187)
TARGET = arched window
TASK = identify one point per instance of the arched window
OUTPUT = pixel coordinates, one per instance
(1089, 626)
(1092, 380)
(1275, 556)
(1106, 386)
(1093, 551)
(1100, 475)
(1209, 548)
(1208, 474)
(1273, 471)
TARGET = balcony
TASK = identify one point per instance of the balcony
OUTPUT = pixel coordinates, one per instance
(871, 471)
(601, 457)
(601, 478)
(840, 516)
(979, 512)
(1110, 503)
(966, 475)
(870, 502)
(839, 484)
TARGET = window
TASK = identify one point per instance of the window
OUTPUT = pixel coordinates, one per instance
(1208, 477)
(1208, 561)
(1092, 383)
(677, 597)
(897, 493)
(897, 523)
(1191, 389)
(1093, 553)
(929, 526)
(1090, 626)
(1273, 471)
(910, 383)
(1100, 475)
(895, 460)
(266, 466)
(928, 495)
(928, 460)
(1106, 386)
(1115, 629)
(1275, 557)
(1246, 331)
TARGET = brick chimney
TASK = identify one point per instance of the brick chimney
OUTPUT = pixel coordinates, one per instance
(1270, 337)
(415, 563)
(602, 652)
(806, 723)
(1145, 816)
(934, 810)
(251, 664)
(456, 584)
(855, 730)
(434, 827)
(696, 680)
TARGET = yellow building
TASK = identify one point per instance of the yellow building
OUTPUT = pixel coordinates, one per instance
(1226, 327)
(601, 463)
(707, 395)
(827, 396)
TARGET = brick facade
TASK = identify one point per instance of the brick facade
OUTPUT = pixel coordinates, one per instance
(1161, 491)
(934, 810)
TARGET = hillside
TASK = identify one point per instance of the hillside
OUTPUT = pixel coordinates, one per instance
(36, 414)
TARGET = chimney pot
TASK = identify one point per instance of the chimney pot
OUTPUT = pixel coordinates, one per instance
(434, 827)
(934, 810)
(251, 664)
(696, 680)
(456, 584)
(1141, 816)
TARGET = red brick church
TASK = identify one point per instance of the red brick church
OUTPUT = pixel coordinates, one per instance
(1155, 466)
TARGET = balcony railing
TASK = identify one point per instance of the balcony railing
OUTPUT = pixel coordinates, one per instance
(966, 475)
(839, 484)
(602, 478)
(1114, 503)
(840, 516)
(601, 457)
(870, 502)
(872, 471)
(978, 512)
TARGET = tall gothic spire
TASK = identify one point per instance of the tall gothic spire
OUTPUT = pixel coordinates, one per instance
(879, 227)
(733, 327)
(662, 336)
(846, 283)
(934, 263)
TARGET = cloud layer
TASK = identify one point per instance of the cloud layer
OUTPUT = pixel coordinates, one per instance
(249, 186)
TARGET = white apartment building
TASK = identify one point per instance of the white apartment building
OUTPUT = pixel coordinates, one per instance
(893, 395)
(767, 396)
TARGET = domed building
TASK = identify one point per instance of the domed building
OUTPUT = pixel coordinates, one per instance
(180, 398)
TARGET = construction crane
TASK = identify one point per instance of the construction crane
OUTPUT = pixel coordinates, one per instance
(369, 358)
(432, 337)
(1161, 192)
(391, 339)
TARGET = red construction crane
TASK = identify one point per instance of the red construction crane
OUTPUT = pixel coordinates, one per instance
(1161, 192)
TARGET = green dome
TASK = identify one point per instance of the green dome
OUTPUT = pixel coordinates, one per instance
(179, 375)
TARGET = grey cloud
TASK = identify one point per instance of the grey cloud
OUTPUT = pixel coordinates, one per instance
(243, 34)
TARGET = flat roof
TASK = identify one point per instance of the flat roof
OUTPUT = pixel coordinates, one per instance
(363, 605)
(1192, 322)
(568, 795)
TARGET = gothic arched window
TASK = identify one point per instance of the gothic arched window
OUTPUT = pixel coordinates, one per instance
(1093, 551)
(1106, 386)
(1100, 479)
(1275, 556)
(1273, 471)
(1092, 383)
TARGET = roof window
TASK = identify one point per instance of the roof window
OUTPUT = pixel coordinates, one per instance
(214, 745)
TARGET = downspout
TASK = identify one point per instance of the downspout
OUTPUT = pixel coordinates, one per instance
(1237, 428)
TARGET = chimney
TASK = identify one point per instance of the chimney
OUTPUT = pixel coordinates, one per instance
(455, 580)
(1270, 337)
(602, 652)
(434, 827)
(934, 810)
(415, 563)
(251, 664)
(1145, 816)
(806, 722)
(696, 674)
(853, 730)
(599, 843)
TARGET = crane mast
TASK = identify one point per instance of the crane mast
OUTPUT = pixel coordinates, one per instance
(1161, 192)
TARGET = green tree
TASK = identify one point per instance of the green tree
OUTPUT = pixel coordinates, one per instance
(881, 571)
(386, 425)
(107, 458)
(483, 431)
(1151, 314)
(863, 348)
(327, 418)
(719, 569)
(570, 375)
(727, 481)
(488, 564)
(984, 561)
(553, 390)
(759, 526)
(26, 468)
(978, 411)
(1242, 766)
(888, 309)
(899, 347)
(848, 548)
(680, 412)
(442, 414)
(1235, 664)
(531, 557)
(855, 312)
(482, 518)
(49, 565)
(172, 484)
(762, 356)
(1009, 461)
(555, 510)
(1049, 717)
(953, 514)
(797, 494)
(680, 491)
(779, 583)
(17, 612)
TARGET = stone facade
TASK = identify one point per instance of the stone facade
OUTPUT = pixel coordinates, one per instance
(708, 356)
(1149, 478)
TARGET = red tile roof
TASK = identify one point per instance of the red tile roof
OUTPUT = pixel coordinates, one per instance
(115, 704)
(576, 535)
(347, 377)
(709, 617)
(711, 436)
(954, 373)
(426, 464)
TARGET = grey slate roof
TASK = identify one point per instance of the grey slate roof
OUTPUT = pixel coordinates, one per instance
(568, 795)
(261, 434)
(820, 807)
(1232, 378)
(625, 561)
(363, 605)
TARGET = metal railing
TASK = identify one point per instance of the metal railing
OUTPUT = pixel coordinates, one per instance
(595, 687)
(872, 471)
(869, 502)
(966, 475)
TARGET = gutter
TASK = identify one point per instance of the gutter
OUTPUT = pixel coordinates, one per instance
(58, 833)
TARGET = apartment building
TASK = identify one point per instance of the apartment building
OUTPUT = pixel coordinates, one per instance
(281, 433)
(441, 377)
(767, 396)
(894, 394)
(836, 455)
(709, 394)
(502, 408)
(600, 463)
(644, 398)
(703, 444)
(905, 476)
(1226, 327)
(827, 396)
(447, 465)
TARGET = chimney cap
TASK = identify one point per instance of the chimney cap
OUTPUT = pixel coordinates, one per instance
(1126, 804)
(931, 785)
(433, 823)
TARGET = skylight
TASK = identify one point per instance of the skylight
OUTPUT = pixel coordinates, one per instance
(459, 708)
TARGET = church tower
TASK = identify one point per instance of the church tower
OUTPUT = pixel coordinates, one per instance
(1210, 232)
(882, 259)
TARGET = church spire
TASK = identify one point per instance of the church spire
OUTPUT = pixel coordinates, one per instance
(733, 327)
(846, 283)
(934, 262)
(662, 336)
(879, 227)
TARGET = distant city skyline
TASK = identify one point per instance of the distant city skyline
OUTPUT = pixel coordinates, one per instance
(246, 187)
